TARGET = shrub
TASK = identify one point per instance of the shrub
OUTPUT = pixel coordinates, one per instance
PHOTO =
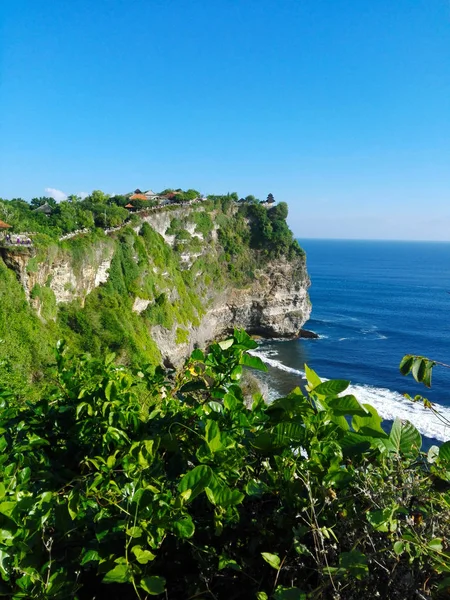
(194, 494)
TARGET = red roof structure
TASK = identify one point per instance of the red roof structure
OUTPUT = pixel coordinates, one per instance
(129, 205)
(4, 225)
(138, 197)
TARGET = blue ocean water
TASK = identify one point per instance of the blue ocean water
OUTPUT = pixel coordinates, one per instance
(374, 302)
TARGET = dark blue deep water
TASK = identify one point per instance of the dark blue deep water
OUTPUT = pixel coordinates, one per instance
(373, 302)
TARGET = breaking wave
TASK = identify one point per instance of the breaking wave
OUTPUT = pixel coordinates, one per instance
(389, 404)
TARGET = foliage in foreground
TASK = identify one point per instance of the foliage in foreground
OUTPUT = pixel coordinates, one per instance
(191, 494)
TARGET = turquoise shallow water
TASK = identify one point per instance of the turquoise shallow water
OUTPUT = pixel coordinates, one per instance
(373, 302)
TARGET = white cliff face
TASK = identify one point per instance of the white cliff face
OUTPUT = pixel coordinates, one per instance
(140, 304)
(58, 272)
(276, 304)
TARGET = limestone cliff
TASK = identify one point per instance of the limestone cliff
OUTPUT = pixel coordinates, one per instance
(174, 278)
(276, 304)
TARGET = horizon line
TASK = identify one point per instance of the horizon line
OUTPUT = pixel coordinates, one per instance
(332, 239)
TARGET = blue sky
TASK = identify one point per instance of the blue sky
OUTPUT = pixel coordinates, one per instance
(342, 109)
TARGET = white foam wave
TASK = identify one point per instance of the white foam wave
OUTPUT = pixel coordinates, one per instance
(277, 364)
(391, 404)
(388, 403)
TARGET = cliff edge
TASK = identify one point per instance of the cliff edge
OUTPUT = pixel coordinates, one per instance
(170, 281)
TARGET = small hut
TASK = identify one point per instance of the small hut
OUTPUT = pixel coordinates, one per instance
(3, 229)
(130, 207)
(44, 208)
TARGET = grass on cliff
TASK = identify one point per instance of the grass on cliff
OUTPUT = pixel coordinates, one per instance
(25, 342)
(143, 265)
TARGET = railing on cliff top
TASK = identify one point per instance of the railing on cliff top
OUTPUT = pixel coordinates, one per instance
(25, 239)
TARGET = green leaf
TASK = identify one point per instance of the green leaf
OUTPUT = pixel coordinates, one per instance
(253, 362)
(406, 364)
(72, 504)
(331, 387)
(435, 545)
(197, 354)
(193, 386)
(312, 378)
(370, 423)
(355, 444)
(4, 569)
(134, 532)
(226, 343)
(153, 585)
(433, 454)
(355, 563)
(196, 480)
(264, 441)
(24, 475)
(383, 519)
(6, 508)
(405, 438)
(284, 593)
(236, 373)
(272, 559)
(230, 401)
(90, 556)
(36, 441)
(285, 434)
(340, 420)
(399, 548)
(255, 488)
(243, 339)
(184, 527)
(422, 369)
(222, 495)
(212, 435)
(346, 405)
(120, 574)
(109, 358)
(444, 452)
(142, 556)
(215, 406)
(225, 562)
(261, 596)
(111, 391)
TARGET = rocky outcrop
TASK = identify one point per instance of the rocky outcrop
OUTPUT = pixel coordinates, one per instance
(310, 335)
(275, 305)
(58, 271)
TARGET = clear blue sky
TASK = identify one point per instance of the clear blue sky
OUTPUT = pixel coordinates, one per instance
(342, 109)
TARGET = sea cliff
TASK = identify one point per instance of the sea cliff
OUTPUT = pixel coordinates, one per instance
(167, 282)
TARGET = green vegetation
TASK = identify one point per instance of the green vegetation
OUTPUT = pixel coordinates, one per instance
(203, 223)
(74, 213)
(121, 483)
(270, 232)
(47, 301)
(225, 250)
(182, 336)
(25, 342)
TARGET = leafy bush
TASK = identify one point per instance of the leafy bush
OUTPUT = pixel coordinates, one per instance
(203, 223)
(192, 494)
(181, 335)
(176, 225)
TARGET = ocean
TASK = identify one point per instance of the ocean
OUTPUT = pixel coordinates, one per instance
(373, 302)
